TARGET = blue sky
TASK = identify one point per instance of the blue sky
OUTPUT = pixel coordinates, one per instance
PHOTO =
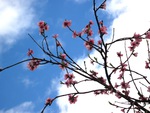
(25, 91)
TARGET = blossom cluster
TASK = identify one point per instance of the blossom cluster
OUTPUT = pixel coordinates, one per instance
(42, 27)
(69, 79)
(33, 64)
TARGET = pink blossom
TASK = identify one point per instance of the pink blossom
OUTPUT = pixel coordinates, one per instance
(63, 65)
(121, 75)
(148, 35)
(63, 56)
(55, 36)
(30, 52)
(117, 94)
(74, 34)
(42, 26)
(67, 23)
(69, 79)
(143, 98)
(119, 54)
(90, 33)
(124, 85)
(135, 54)
(33, 64)
(103, 30)
(89, 44)
(116, 85)
(126, 92)
(91, 22)
(58, 43)
(148, 88)
(94, 73)
(103, 5)
(97, 92)
(99, 42)
(72, 99)
(48, 101)
(102, 80)
(123, 110)
(147, 65)
(136, 35)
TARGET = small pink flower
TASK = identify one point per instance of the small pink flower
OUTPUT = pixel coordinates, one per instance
(123, 110)
(119, 54)
(33, 64)
(102, 80)
(63, 56)
(67, 23)
(48, 101)
(148, 88)
(116, 85)
(136, 36)
(124, 85)
(103, 30)
(91, 22)
(74, 34)
(148, 35)
(30, 52)
(42, 26)
(63, 65)
(72, 99)
(126, 92)
(55, 36)
(135, 54)
(117, 94)
(46, 27)
(147, 65)
(103, 5)
(99, 42)
(58, 43)
(143, 98)
(89, 44)
(93, 73)
(90, 33)
(97, 92)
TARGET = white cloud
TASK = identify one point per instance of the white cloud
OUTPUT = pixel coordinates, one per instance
(79, 1)
(27, 82)
(26, 107)
(129, 17)
(16, 16)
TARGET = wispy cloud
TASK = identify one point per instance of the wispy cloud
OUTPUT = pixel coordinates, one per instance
(26, 107)
(27, 82)
(79, 1)
(16, 16)
(129, 17)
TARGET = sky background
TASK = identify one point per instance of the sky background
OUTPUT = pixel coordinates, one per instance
(25, 91)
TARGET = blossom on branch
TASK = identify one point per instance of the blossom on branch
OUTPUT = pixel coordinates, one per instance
(72, 99)
(33, 64)
(89, 44)
(67, 23)
(103, 30)
(30, 52)
(63, 56)
(55, 36)
(48, 101)
(103, 5)
(148, 35)
(43, 26)
(119, 54)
